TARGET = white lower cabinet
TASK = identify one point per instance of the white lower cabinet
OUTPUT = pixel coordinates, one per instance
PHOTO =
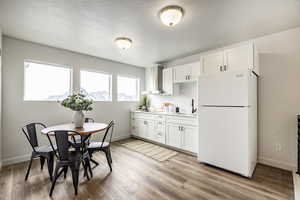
(190, 139)
(159, 132)
(182, 136)
(149, 129)
(173, 135)
(140, 127)
(175, 131)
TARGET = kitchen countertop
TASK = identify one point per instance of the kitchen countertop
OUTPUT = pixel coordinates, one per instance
(166, 113)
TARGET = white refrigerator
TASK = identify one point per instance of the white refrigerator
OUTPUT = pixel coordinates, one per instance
(228, 121)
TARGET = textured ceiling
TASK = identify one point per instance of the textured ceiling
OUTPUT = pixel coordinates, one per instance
(90, 26)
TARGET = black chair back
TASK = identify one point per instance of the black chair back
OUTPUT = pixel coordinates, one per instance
(29, 131)
(63, 144)
(108, 133)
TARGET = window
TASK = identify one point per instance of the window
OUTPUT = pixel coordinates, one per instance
(128, 89)
(46, 82)
(96, 85)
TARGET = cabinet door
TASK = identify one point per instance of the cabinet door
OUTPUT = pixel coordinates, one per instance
(134, 128)
(150, 133)
(239, 58)
(195, 71)
(141, 128)
(173, 135)
(159, 130)
(212, 63)
(181, 73)
(168, 81)
(190, 138)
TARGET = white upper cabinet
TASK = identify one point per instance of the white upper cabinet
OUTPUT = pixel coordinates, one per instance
(186, 73)
(239, 58)
(168, 87)
(151, 78)
(180, 74)
(212, 63)
(236, 58)
(195, 70)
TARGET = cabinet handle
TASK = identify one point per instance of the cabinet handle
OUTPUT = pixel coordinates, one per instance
(225, 67)
(179, 128)
(221, 68)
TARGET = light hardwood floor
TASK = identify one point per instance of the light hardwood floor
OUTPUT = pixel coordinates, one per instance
(136, 176)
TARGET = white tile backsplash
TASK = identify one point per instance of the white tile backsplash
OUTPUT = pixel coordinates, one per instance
(187, 92)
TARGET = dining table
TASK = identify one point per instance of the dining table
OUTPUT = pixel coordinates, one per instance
(87, 128)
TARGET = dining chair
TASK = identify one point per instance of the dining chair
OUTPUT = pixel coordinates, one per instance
(68, 158)
(43, 152)
(103, 146)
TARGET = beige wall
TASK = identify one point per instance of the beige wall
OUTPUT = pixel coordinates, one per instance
(279, 96)
(17, 113)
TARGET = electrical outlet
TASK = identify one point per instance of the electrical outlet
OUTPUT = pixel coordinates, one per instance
(278, 147)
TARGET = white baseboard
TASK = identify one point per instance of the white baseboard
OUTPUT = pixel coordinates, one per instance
(278, 164)
(16, 159)
(296, 180)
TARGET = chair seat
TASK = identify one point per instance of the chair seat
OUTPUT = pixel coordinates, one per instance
(98, 145)
(45, 149)
(75, 155)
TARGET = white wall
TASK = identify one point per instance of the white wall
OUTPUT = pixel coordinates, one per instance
(17, 112)
(183, 98)
(279, 96)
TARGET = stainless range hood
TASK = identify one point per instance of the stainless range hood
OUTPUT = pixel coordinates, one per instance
(153, 76)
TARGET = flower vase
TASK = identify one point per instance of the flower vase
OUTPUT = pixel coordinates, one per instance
(78, 119)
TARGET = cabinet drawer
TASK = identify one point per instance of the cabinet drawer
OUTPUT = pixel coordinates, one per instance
(159, 117)
(159, 126)
(141, 116)
(160, 137)
(182, 120)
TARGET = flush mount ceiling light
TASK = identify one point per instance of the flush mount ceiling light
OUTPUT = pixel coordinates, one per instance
(123, 42)
(171, 15)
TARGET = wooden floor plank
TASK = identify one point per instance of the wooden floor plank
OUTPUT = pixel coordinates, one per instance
(138, 177)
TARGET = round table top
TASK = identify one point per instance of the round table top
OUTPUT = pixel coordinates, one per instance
(88, 128)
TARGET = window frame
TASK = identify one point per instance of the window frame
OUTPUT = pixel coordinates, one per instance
(138, 87)
(45, 63)
(99, 72)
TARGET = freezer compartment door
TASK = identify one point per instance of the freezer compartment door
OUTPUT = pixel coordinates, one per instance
(223, 138)
(224, 89)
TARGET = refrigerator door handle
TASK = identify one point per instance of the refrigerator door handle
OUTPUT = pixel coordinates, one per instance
(223, 106)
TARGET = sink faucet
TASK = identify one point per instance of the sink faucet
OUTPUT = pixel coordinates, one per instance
(193, 107)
